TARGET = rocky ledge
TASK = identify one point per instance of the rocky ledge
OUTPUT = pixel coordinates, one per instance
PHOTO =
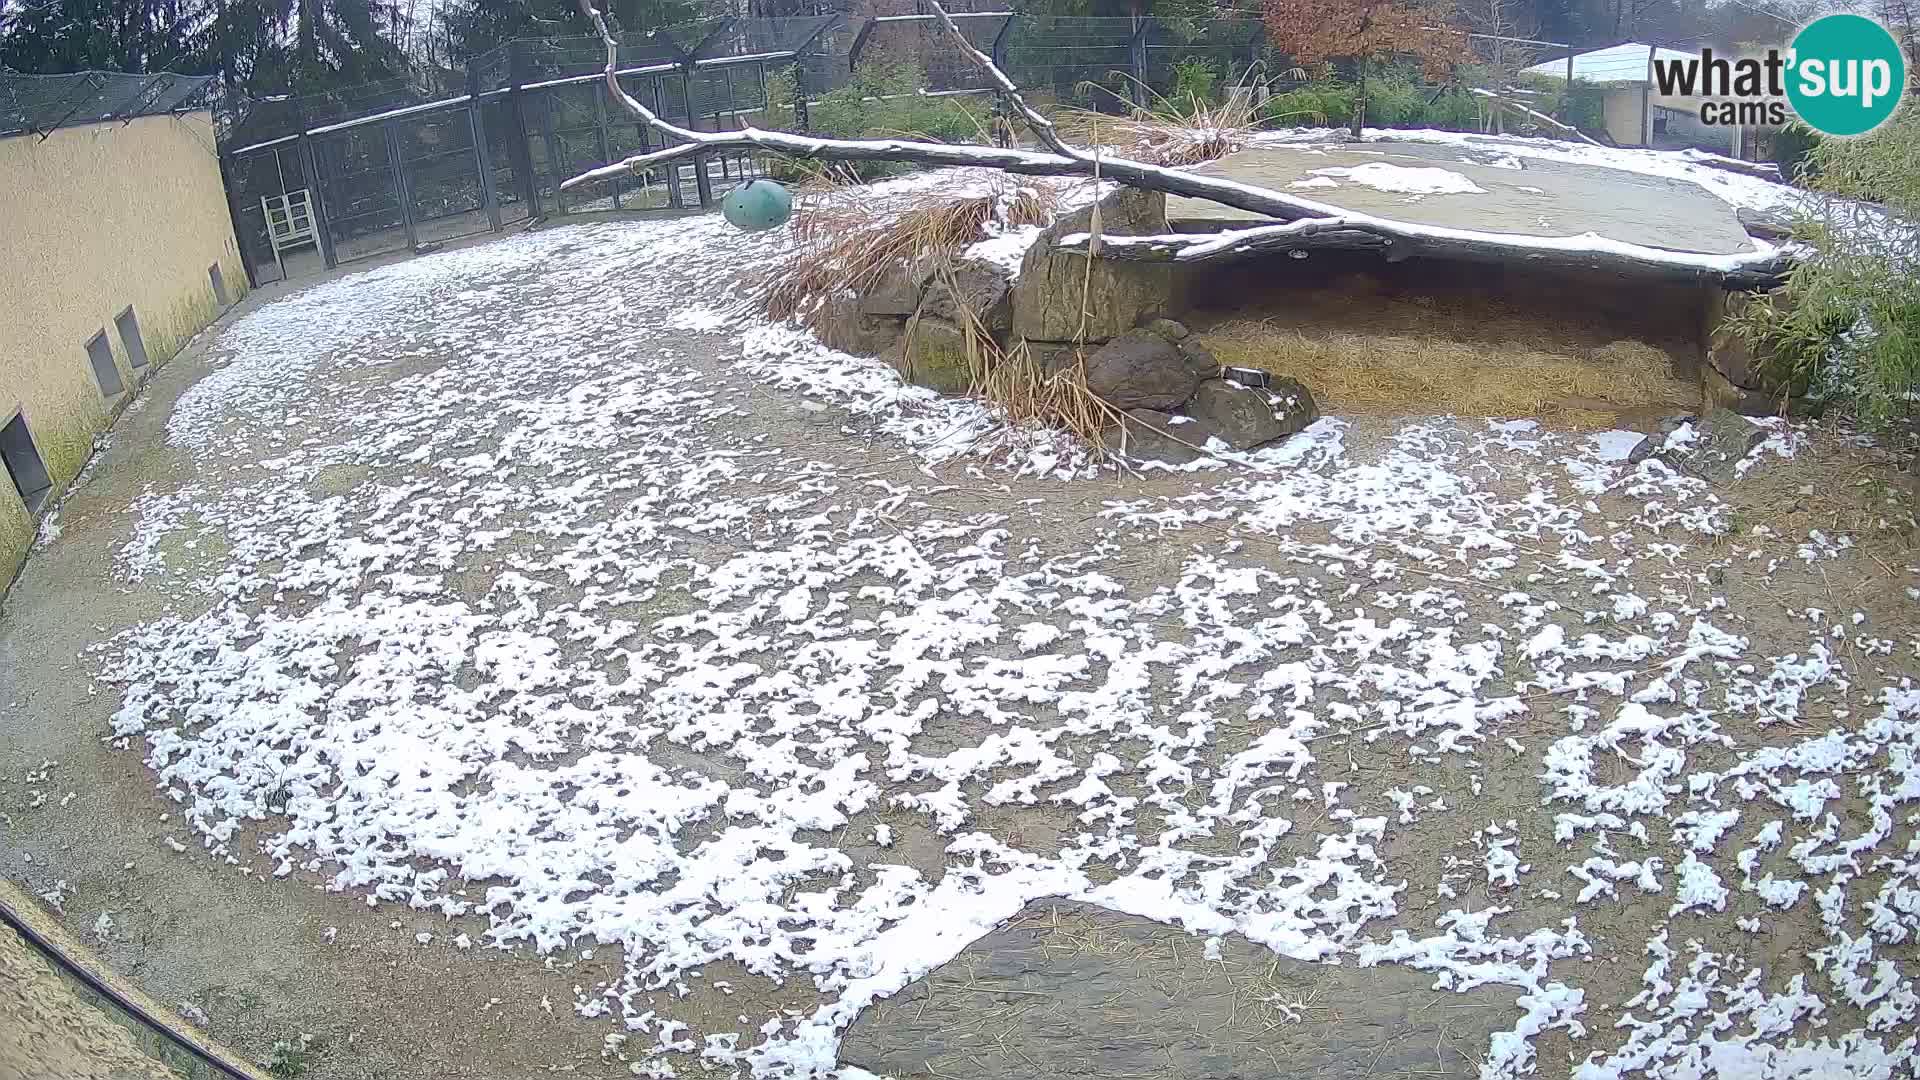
(1109, 315)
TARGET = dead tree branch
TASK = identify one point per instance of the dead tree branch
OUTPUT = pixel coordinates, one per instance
(1302, 223)
(1757, 270)
(1538, 117)
(1042, 127)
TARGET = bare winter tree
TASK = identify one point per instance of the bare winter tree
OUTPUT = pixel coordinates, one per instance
(1499, 24)
(1300, 224)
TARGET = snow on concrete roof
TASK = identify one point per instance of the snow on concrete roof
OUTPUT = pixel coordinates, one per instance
(1625, 63)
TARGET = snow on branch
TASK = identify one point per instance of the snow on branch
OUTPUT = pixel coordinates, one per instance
(1300, 223)
(1764, 267)
(1061, 159)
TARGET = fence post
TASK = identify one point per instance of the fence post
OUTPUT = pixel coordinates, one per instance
(999, 50)
(1137, 54)
(482, 156)
(701, 183)
(316, 194)
(600, 139)
(392, 132)
(553, 149)
(517, 116)
(672, 171)
(230, 180)
(1566, 99)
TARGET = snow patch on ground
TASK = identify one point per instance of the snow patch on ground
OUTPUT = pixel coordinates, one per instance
(1006, 249)
(1404, 179)
(585, 622)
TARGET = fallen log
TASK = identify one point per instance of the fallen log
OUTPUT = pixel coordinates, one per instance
(1397, 241)
(1537, 117)
(1759, 170)
(1301, 224)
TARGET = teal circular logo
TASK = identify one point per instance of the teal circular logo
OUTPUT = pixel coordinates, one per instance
(1846, 74)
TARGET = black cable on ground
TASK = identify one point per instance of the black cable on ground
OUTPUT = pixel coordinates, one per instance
(13, 912)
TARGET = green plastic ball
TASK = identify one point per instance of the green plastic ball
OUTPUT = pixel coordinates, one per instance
(757, 205)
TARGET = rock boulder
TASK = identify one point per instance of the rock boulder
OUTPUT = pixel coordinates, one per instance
(1246, 417)
(840, 324)
(935, 356)
(979, 287)
(1047, 297)
(1067, 991)
(897, 294)
(1143, 370)
(1710, 447)
(1152, 435)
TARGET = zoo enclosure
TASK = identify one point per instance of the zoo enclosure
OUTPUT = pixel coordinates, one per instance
(42, 104)
(395, 166)
(406, 164)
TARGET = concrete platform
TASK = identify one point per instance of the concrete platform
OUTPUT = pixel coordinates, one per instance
(1526, 196)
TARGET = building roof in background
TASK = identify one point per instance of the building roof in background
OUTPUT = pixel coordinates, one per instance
(1625, 63)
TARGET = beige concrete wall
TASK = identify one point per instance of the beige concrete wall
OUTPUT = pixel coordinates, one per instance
(1623, 108)
(93, 219)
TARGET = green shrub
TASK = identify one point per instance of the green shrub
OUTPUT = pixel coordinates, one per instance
(783, 88)
(1793, 145)
(1588, 108)
(1392, 101)
(1324, 102)
(1847, 326)
(883, 99)
(1586, 102)
(1194, 80)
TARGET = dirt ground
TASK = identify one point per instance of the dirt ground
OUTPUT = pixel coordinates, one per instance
(52, 1032)
(381, 992)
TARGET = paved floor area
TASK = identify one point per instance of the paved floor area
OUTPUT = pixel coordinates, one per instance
(49, 1030)
(1526, 195)
(513, 661)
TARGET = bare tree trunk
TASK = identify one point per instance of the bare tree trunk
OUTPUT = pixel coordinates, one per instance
(1359, 95)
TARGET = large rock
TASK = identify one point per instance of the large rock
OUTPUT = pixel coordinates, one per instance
(935, 356)
(1246, 417)
(1066, 991)
(1717, 392)
(1743, 377)
(1051, 357)
(897, 294)
(1119, 294)
(840, 324)
(1152, 435)
(1710, 447)
(979, 287)
(1656, 440)
(1143, 370)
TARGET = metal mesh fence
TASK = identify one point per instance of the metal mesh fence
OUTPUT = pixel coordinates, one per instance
(39, 104)
(1070, 56)
(409, 162)
(255, 120)
(1228, 48)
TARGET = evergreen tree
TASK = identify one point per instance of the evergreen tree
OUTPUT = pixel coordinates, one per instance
(54, 36)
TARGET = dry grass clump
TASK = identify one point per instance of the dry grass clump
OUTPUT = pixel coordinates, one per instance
(1025, 391)
(1173, 131)
(846, 237)
(1209, 132)
(1430, 374)
(1154, 139)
